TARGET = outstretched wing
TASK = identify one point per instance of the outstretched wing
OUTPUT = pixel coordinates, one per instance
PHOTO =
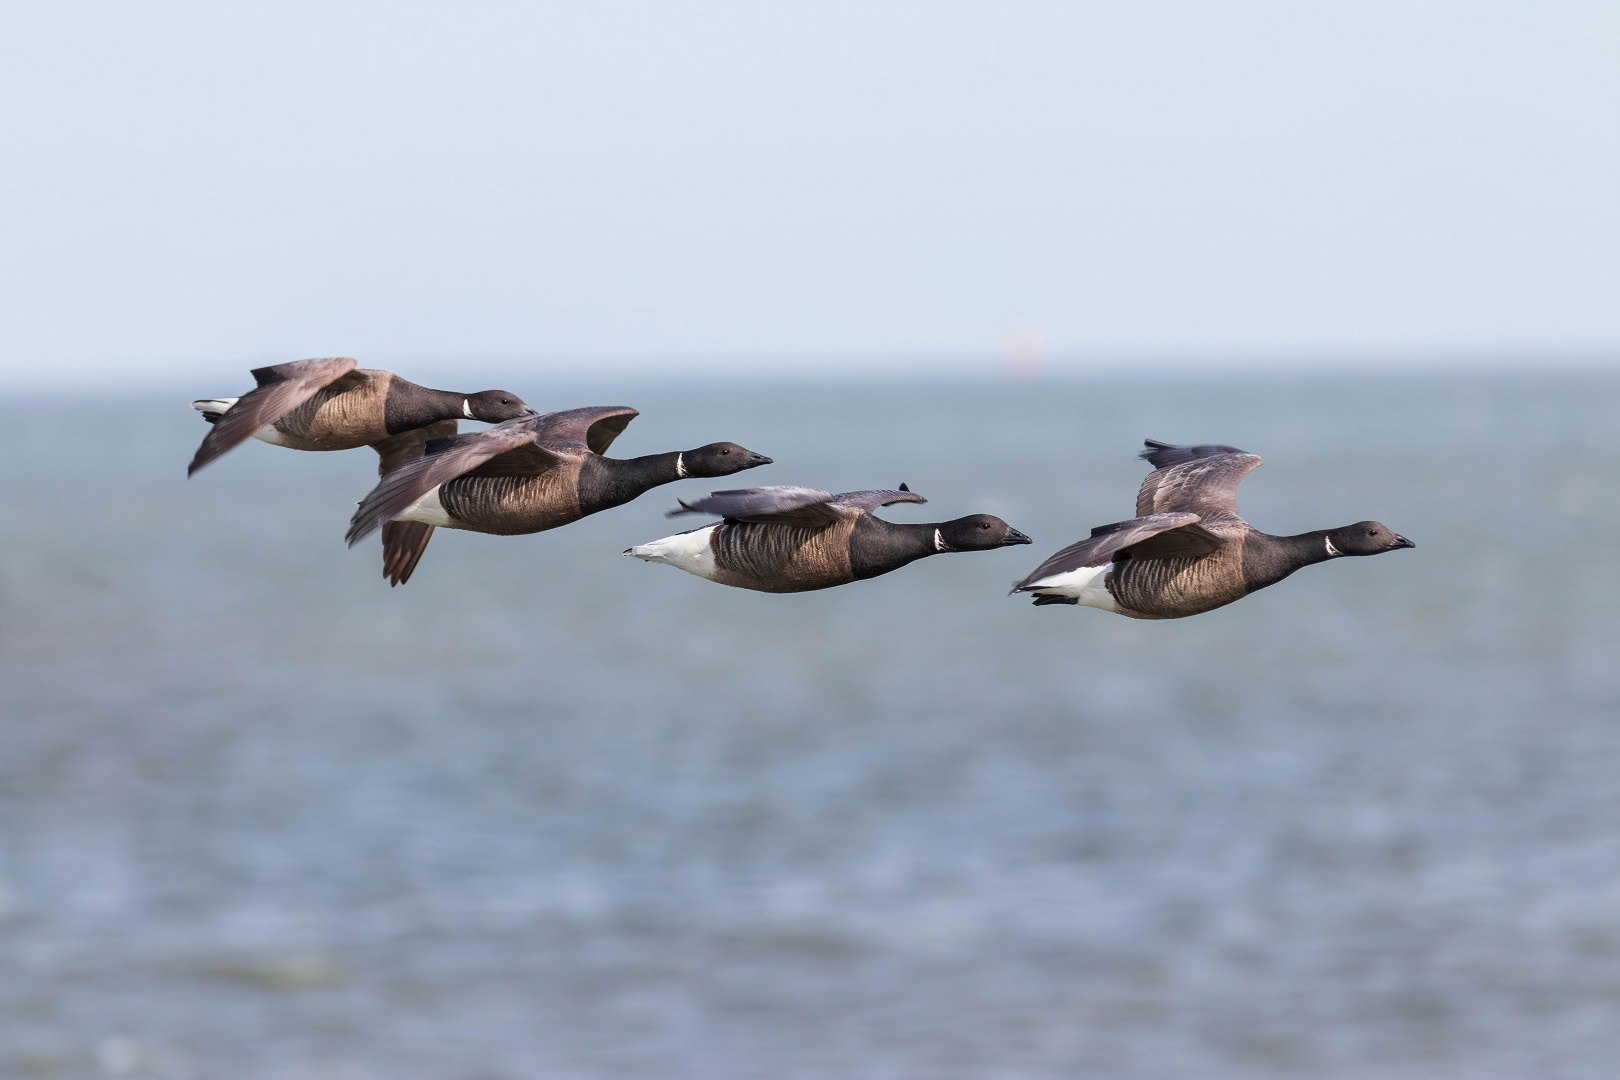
(1156, 536)
(592, 428)
(405, 541)
(1199, 479)
(871, 500)
(801, 506)
(282, 388)
(445, 460)
(403, 544)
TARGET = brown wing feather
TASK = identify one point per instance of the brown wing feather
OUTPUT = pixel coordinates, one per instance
(1186, 542)
(404, 541)
(798, 506)
(282, 388)
(872, 500)
(1202, 480)
(814, 516)
(351, 380)
(591, 428)
(527, 460)
(803, 507)
(407, 446)
(403, 544)
(600, 435)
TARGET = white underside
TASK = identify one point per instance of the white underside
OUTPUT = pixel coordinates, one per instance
(269, 434)
(221, 406)
(428, 510)
(688, 551)
(1088, 584)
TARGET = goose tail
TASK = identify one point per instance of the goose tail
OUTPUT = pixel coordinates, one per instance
(214, 408)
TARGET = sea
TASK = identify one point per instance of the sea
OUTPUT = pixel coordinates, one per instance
(549, 812)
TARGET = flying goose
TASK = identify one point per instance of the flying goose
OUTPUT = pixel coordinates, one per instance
(532, 474)
(795, 539)
(1188, 551)
(330, 404)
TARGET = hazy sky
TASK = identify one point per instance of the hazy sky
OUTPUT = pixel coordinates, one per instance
(191, 189)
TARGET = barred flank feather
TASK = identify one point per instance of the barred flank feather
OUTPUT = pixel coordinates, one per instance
(778, 558)
(1171, 588)
(511, 505)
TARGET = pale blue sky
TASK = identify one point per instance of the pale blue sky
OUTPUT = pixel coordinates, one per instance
(191, 189)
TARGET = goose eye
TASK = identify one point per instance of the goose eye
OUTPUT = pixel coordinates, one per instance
(984, 524)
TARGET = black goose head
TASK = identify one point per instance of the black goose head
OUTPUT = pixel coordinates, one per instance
(720, 459)
(1366, 538)
(977, 532)
(495, 406)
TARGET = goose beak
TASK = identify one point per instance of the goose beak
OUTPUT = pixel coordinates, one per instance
(758, 459)
(1401, 541)
(1015, 537)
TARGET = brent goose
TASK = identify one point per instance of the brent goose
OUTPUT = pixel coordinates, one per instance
(533, 474)
(329, 404)
(1188, 551)
(794, 539)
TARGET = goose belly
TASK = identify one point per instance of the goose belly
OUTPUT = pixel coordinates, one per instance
(269, 434)
(429, 510)
(1087, 584)
(510, 505)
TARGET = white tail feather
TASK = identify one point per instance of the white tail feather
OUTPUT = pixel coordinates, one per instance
(689, 551)
(214, 406)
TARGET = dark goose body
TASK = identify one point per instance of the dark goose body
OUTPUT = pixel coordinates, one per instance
(774, 558)
(513, 505)
(789, 539)
(1188, 551)
(1190, 585)
(533, 474)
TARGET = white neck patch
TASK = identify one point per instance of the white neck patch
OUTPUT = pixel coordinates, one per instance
(1331, 550)
(680, 465)
(466, 409)
(940, 544)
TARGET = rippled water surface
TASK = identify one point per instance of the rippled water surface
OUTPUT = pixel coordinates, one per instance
(549, 812)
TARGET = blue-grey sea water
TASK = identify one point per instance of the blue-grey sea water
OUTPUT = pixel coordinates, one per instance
(547, 812)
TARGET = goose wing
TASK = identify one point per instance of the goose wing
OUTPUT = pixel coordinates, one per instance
(403, 545)
(405, 541)
(592, 428)
(800, 506)
(527, 460)
(281, 389)
(871, 500)
(1155, 536)
(444, 460)
(1199, 479)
